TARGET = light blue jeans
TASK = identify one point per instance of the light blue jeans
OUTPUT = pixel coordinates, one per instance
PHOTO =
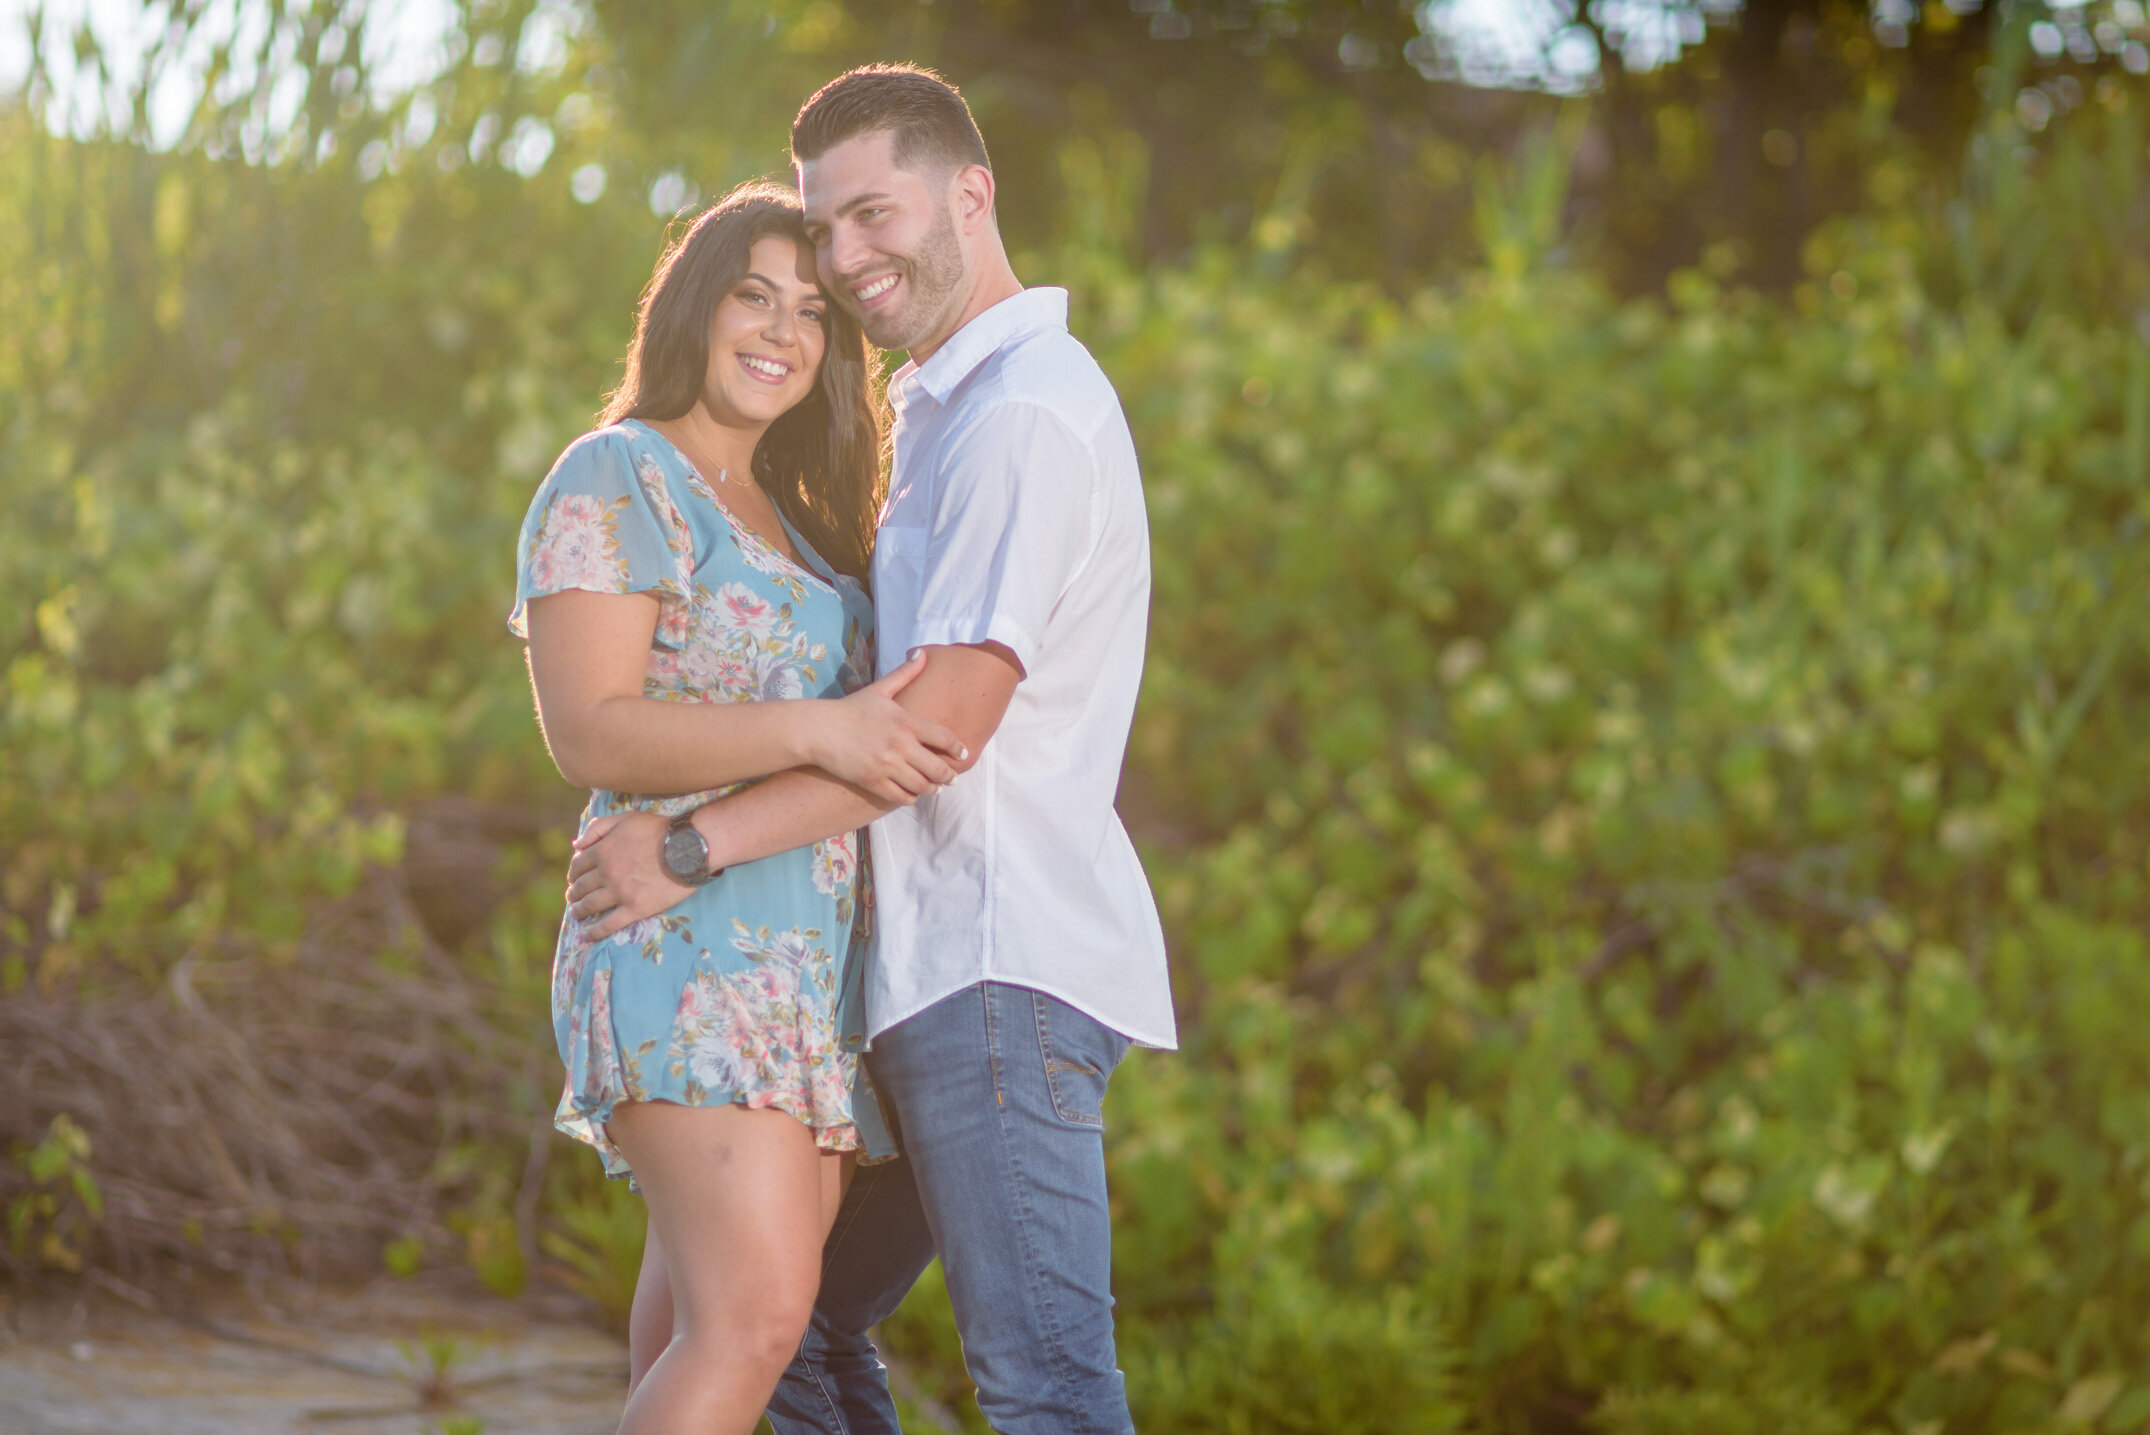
(996, 1093)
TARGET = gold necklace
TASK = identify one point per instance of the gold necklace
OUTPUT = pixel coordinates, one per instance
(699, 461)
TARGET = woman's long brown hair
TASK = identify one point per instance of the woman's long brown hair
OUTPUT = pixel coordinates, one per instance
(821, 461)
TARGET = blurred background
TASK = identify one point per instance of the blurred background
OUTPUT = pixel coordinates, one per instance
(1638, 755)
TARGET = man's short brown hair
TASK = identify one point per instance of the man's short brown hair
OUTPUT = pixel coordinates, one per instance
(925, 113)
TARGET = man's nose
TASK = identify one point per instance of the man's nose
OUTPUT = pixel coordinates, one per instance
(845, 255)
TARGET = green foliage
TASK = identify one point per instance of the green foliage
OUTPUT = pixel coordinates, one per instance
(1643, 793)
(50, 1218)
(1663, 851)
(430, 1365)
(1290, 1355)
(597, 1234)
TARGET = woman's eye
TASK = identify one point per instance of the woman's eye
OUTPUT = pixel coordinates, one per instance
(753, 296)
(813, 315)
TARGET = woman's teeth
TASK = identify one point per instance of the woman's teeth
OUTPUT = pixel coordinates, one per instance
(765, 366)
(876, 289)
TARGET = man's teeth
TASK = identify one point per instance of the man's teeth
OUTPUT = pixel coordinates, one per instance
(766, 366)
(879, 287)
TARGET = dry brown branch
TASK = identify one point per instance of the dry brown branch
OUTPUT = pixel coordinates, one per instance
(252, 1113)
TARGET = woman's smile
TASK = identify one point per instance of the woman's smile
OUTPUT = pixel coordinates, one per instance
(765, 370)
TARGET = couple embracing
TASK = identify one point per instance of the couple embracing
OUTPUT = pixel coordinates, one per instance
(823, 1065)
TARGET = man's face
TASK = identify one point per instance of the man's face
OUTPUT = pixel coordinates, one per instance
(885, 241)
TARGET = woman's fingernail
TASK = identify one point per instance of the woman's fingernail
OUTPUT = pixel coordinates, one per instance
(963, 754)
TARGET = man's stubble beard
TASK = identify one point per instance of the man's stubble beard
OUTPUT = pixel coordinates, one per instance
(935, 271)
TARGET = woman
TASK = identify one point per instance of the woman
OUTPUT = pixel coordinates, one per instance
(688, 582)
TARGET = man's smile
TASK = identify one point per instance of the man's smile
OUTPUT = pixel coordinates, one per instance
(874, 288)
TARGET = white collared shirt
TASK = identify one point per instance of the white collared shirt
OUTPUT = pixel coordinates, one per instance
(1015, 515)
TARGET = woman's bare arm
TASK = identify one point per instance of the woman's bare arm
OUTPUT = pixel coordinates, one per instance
(588, 655)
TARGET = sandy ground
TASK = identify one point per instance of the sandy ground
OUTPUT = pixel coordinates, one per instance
(393, 1358)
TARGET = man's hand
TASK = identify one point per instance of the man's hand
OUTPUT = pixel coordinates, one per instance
(618, 874)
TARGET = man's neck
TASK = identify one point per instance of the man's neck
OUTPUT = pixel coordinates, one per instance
(996, 282)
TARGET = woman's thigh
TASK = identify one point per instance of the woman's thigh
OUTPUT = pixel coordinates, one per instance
(737, 1201)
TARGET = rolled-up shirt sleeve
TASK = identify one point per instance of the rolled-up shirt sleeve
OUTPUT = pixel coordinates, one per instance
(1011, 523)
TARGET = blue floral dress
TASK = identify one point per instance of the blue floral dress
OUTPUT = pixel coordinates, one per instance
(733, 995)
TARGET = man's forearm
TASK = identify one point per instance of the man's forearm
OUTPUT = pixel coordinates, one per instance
(967, 687)
(791, 809)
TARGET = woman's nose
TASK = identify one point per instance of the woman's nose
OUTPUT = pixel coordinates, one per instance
(781, 326)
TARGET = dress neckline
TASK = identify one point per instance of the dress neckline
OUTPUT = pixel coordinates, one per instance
(743, 531)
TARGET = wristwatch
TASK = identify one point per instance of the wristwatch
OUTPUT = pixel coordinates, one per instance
(686, 855)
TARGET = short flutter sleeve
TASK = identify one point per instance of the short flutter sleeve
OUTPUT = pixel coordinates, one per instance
(604, 520)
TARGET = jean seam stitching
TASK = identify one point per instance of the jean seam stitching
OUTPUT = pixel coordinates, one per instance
(992, 1046)
(1045, 1052)
(835, 1243)
(828, 1398)
(1033, 1264)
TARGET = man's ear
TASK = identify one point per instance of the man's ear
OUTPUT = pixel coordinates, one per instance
(974, 198)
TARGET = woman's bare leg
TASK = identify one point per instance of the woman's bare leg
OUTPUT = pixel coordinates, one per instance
(649, 1319)
(736, 1201)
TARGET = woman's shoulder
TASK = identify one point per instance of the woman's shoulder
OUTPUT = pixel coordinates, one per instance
(615, 446)
(618, 458)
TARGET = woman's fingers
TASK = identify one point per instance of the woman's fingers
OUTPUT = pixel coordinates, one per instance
(899, 678)
(939, 738)
(904, 786)
(929, 767)
(934, 767)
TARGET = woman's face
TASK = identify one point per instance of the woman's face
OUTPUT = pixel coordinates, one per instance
(766, 342)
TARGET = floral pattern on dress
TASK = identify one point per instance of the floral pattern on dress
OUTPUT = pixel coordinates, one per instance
(577, 545)
(676, 592)
(836, 871)
(651, 1013)
(765, 560)
(757, 1029)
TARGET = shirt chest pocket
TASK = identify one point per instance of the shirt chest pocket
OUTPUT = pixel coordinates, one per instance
(899, 580)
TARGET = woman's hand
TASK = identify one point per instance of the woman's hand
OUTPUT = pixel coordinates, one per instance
(871, 741)
(617, 877)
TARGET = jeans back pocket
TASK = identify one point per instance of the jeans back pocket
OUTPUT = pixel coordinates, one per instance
(1080, 1053)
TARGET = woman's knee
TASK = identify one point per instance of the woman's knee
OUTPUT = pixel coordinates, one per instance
(763, 1337)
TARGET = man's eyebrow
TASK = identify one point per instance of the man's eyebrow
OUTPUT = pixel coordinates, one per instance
(858, 199)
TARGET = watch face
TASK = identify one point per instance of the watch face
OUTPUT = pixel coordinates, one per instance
(685, 853)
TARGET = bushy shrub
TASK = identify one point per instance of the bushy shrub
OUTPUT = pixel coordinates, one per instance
(1661, 839)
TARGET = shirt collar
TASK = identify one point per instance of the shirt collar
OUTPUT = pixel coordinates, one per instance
(1012, 318)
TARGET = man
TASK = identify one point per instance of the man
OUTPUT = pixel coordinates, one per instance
(1017, 951)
